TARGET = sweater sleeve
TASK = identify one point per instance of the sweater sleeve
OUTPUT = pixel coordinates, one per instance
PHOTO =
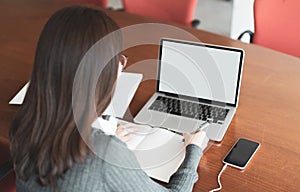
(185, 177)
(122, 179)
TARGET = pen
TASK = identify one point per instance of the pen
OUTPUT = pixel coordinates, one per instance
(201, 127)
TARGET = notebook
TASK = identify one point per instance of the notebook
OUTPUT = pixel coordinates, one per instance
(159, 152)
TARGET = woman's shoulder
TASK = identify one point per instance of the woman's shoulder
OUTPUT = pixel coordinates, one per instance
(109, 155)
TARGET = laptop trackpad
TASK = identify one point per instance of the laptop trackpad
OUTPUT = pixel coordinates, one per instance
(177, 123)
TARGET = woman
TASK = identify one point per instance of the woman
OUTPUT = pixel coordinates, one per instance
(53, 145)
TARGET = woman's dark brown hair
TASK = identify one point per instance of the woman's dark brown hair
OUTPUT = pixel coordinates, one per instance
(45, 139)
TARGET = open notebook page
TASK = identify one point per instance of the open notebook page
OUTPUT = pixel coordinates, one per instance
(160, 154)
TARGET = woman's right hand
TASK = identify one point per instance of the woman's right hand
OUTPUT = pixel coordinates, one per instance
(198, 139)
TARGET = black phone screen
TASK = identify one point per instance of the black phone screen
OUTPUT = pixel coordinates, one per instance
(241, 153)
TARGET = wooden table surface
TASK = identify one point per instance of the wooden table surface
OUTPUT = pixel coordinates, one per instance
(269, 105)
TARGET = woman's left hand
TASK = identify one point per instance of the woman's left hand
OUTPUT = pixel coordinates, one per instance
(123, 134)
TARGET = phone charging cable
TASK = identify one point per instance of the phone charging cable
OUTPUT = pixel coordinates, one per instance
(219, 180)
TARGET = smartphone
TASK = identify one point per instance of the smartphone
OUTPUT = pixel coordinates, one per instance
(241, 153)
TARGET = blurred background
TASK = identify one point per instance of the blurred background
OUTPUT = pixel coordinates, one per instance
(225, 17)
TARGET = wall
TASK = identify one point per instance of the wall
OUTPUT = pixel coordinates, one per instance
(242, 18)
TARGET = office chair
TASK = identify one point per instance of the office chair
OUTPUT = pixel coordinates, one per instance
(99, 3)
(277, 26)
(7, 175)
(179, 11)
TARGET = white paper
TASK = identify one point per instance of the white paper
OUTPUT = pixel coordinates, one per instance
(19, 98)
(159, 152)
(126, 87)
(139, 132)
(165, 171)
(108, 127)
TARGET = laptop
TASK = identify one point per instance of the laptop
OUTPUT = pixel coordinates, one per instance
(196, 83)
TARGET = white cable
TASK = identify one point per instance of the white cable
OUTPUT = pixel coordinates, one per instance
(219, 180)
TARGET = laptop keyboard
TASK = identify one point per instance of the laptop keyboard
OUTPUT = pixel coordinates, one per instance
(188, 109)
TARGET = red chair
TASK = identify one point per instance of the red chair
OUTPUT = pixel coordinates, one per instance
(179, 11)
(99, 3)
(7, 175)
(277, 25)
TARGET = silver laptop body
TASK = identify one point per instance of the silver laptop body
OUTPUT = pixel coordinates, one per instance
(196, 83)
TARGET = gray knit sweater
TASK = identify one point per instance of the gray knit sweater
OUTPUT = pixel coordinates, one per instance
(116, 169)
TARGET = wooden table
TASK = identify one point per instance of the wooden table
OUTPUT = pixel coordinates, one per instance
(269, 106)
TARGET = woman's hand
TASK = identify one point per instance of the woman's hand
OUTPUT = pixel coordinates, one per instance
(198, 139)
(123, 134)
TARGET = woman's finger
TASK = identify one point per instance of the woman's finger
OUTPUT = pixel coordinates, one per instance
(126, 138)
(123, 134)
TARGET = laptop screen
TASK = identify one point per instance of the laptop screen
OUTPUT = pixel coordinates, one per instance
(200, 71)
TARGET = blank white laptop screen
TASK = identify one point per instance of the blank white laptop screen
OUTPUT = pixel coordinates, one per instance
(199, 71)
